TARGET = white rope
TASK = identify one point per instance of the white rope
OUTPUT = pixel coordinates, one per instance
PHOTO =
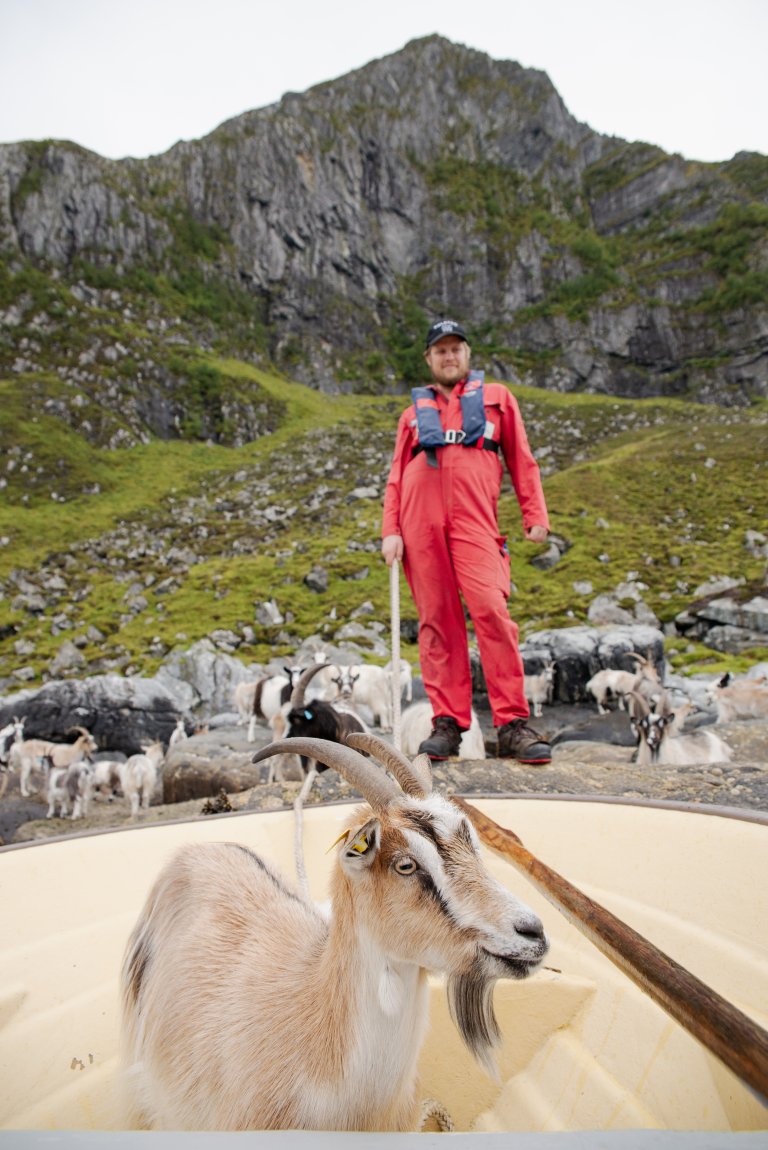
(298, 831)
(394, 597)
(432, 1110)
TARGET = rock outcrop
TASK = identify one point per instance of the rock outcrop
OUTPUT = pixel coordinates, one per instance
(432, 180)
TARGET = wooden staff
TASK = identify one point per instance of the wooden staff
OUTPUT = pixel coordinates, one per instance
(394, 599)
(729, 1034)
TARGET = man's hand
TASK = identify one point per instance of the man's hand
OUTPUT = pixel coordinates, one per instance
(392, 548)
(536, 534)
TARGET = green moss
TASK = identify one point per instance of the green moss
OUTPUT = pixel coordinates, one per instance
(33, 176)
(749, 171)
(620, 167)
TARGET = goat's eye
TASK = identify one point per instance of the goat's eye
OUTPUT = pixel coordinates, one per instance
(405, 866)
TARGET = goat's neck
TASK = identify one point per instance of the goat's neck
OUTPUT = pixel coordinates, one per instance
(378, 1003)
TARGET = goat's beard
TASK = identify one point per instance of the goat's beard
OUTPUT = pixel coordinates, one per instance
(470, 1003)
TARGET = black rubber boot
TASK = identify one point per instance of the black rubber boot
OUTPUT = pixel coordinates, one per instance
(519, 741)
(444, 741)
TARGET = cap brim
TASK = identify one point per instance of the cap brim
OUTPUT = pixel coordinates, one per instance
(445, 335)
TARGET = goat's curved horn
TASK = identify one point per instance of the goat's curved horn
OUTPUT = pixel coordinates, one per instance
(414, 777)
(634, 655)
(640, 701)
(375, 787)
(297, 694)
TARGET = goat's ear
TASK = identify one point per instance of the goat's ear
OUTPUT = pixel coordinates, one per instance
(361, 847)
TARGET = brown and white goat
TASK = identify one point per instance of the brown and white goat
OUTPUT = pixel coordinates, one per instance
(652, 727)
(43, 754)
(246, 1007)
(739, 698)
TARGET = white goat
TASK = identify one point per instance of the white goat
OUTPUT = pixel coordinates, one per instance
(406, 678)
(620, 684)
(70, 785)
(366, 685)
(655, 743)
(539, 687)
(739, 698)
(244, 697)
(246, 1007)
(417, 725)
(178, 733)
(139, 775)
(31, 754)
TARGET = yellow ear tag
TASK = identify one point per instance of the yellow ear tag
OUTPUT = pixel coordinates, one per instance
(336, 842)
(360, 845)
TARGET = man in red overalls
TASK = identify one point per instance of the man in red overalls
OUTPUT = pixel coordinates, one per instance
(440, 519)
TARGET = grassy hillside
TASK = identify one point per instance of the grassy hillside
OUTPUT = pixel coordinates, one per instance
(142, 549)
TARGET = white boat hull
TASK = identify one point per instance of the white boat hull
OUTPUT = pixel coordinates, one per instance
(584, 1048)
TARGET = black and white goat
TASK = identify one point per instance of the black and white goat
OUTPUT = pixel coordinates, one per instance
(269, 694)
(224, 1030)
(300, 717)
(539, 687)
(652, 727)
(11, 733)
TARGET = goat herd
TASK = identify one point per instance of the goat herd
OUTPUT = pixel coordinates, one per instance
(328, 701)
(329, 708)
(222, 1029)
(70, 775)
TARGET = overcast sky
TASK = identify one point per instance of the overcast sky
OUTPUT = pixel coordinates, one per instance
(132, 77)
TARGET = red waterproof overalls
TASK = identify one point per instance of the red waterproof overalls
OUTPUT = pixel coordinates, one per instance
(447, 516)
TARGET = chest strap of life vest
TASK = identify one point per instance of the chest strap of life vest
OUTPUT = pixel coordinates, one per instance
(473, 421)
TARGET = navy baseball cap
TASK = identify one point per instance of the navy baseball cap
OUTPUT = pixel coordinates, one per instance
(444, 327)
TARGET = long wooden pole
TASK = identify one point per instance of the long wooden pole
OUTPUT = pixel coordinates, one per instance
(728, 1033)
(394, 596)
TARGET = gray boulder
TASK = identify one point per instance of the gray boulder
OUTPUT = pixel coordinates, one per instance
(121, 713)
(202, 679)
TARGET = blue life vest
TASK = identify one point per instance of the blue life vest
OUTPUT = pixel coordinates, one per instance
(428, 425)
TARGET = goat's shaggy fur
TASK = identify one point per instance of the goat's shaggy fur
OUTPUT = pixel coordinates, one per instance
(139, 776)
(70, 786)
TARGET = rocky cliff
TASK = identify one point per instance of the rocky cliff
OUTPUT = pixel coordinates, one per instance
(322, 232)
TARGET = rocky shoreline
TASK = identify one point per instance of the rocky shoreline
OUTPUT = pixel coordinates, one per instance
(581, 765)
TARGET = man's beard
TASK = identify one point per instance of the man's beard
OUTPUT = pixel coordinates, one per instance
(449, 376)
